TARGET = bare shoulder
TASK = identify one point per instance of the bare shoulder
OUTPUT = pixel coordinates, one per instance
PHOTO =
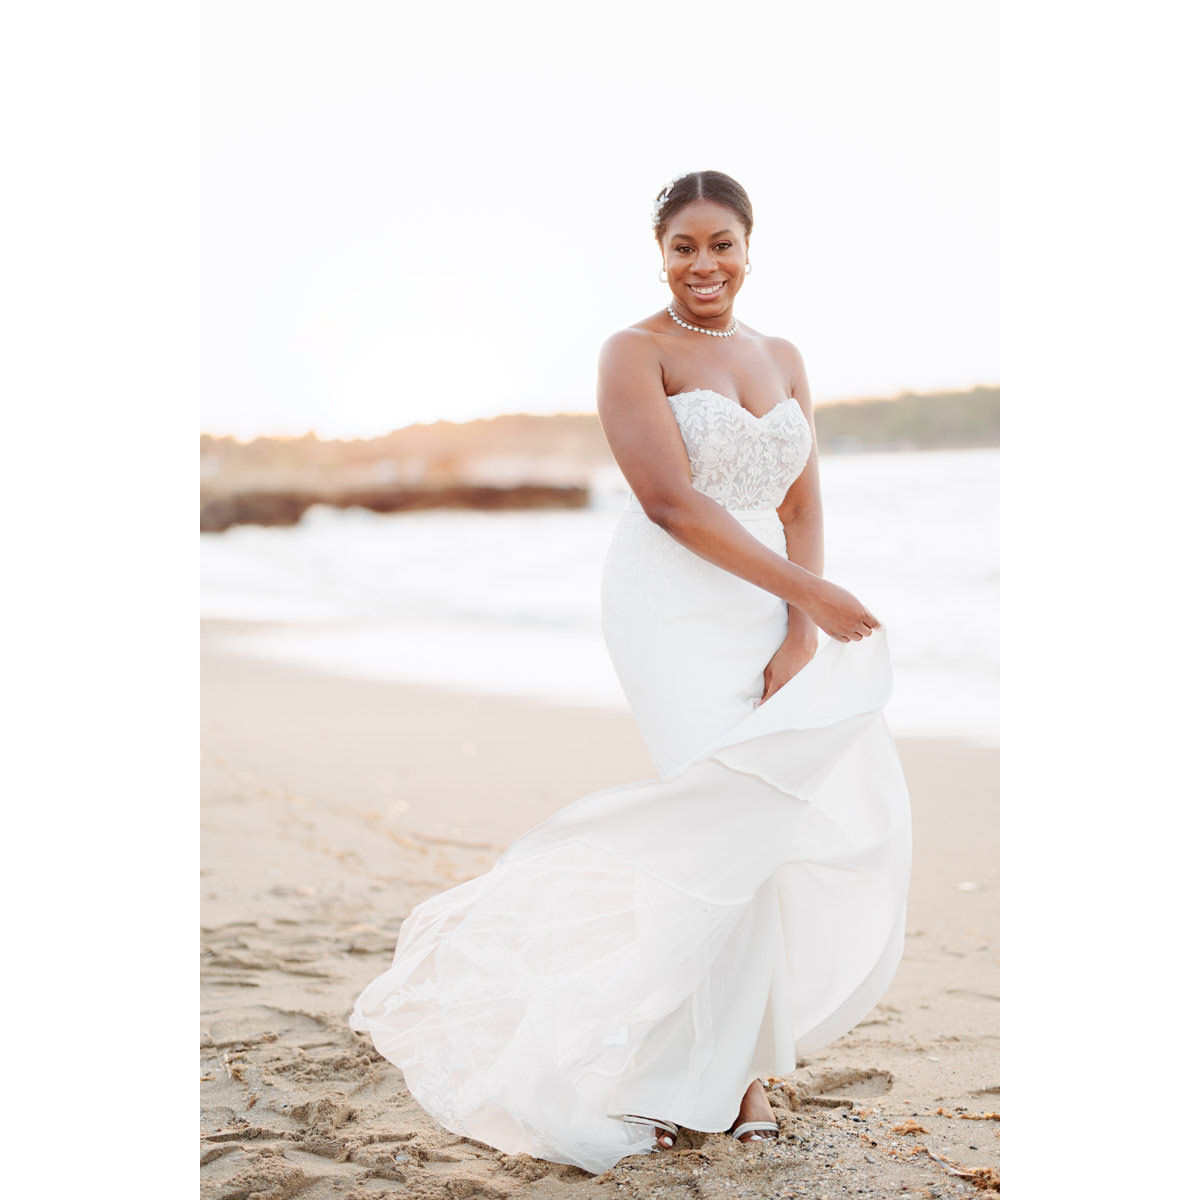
(791, 364)
(784, 352)
(637, 340)
(781, 351)
(630, 365)
(632, 342)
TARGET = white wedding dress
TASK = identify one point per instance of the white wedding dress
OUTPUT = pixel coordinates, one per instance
(653, 948)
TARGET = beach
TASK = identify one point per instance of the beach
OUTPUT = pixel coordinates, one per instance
(331, 805)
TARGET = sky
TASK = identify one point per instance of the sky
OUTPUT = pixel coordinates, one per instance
(412, 213)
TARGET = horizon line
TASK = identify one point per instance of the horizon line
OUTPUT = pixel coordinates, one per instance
(568, 412)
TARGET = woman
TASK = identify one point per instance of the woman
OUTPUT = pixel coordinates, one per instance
(640, 960)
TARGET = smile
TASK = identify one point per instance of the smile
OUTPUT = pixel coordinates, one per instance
(707, 289)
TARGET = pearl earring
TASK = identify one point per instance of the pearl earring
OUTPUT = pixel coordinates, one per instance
(662, 275)
(749, 268)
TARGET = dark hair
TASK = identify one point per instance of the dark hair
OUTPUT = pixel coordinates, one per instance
(701, 185)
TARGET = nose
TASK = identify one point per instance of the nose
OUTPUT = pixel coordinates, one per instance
(704, 262)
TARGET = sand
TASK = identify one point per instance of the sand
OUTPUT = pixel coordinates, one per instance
(330, 806)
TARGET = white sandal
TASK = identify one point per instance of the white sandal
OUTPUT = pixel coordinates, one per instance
(666, 1128)
(748, 1126)
(755, 1126)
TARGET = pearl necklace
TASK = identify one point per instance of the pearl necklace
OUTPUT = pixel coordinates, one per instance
(697, 329)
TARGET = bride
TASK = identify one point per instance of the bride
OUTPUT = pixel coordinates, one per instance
(640, 960)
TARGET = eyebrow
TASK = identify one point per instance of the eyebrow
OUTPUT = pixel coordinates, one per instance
(719, 233)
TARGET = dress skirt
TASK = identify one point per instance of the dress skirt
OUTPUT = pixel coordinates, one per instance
(652, 948)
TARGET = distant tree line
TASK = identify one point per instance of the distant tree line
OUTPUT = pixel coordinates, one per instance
(912, 421)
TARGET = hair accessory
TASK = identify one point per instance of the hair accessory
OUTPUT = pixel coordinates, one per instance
(661, 199)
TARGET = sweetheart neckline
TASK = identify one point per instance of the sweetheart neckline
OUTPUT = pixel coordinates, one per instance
(730, 400)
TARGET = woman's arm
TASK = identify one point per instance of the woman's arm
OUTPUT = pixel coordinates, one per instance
(647, 445)
(804, 527)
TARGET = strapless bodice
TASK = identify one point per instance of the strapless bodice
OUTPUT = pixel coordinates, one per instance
(739, 460)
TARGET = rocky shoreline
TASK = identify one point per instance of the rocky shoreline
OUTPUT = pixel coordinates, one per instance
(268, 507)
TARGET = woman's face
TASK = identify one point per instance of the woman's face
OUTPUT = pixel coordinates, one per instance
(705, 249)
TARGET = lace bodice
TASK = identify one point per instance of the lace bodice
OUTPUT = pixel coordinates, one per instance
(739, 460)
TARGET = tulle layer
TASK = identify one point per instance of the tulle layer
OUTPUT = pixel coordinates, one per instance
(654, 947)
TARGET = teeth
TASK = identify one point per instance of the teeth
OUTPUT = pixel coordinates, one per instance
(707, 291)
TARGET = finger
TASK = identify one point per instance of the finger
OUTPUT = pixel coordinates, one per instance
(871, 620)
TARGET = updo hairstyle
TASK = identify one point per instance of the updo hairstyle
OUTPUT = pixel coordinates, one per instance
(701, 185)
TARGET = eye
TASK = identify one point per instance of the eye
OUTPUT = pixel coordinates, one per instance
(724, 245)
(683, 249)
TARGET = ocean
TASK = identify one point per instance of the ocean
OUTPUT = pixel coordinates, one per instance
(508, 602)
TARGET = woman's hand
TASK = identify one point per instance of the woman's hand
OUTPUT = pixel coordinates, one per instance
(842, 615)
(791, 657)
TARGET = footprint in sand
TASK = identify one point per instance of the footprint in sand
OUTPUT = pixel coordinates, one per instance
(831, 1089)
(970, 992)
